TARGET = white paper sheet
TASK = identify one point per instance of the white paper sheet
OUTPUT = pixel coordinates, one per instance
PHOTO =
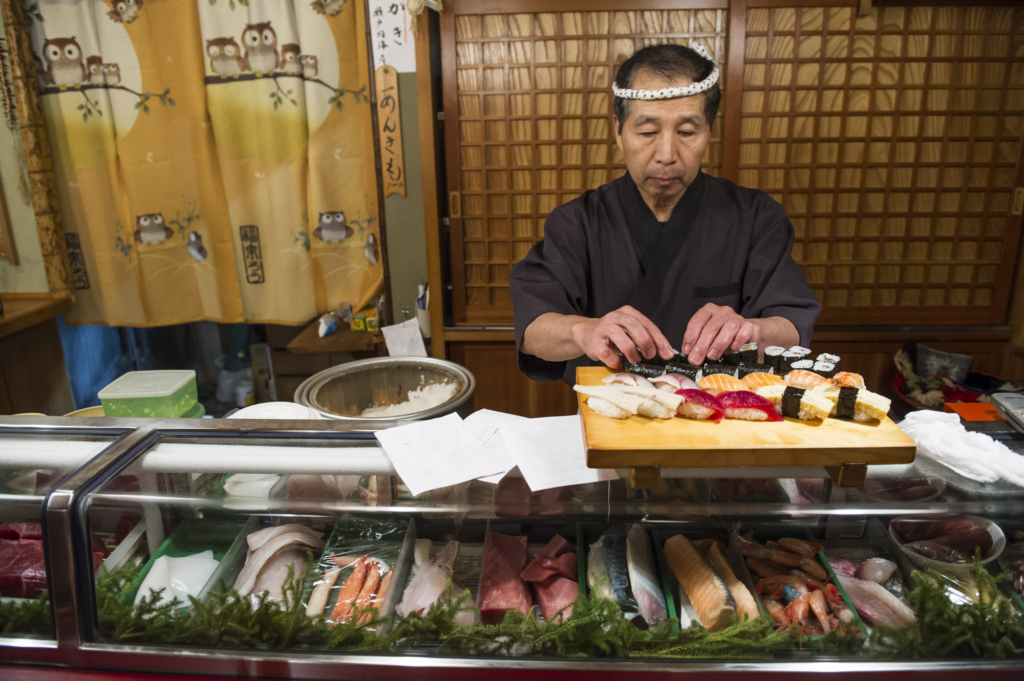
(549, 453)
(392, 33)
(486, 424)
(404, 340)
(437, 453)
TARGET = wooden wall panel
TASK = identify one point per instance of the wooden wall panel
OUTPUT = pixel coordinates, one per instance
(501, 387)
(528, 109)
(892, 141)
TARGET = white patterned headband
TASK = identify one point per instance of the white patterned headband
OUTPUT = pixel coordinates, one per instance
(673, 92)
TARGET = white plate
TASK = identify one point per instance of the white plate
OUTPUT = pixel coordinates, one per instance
(961, 569)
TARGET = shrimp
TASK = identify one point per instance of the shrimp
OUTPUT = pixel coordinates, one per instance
(799, 609)
(764, 568)
(751, 549)
(773, 587)
(811, 582)
(799, 547)
(835, 601)
(778, 612)
(816, 599)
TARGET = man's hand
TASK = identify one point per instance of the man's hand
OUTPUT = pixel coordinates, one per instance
(635, 336)
(715, 329)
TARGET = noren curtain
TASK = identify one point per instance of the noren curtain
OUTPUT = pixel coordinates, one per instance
(213, 158)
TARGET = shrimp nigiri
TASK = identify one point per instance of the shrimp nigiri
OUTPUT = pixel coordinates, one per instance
(801, 378)
(846, 379)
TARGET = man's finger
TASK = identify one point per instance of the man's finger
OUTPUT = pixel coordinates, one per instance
(724, 339)
(708, 334)
(743, 336)
(624, 343)
(695, 327)
(663, 347)
(641, 338)
(609, 357)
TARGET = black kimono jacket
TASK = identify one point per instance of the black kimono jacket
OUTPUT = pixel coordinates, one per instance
(724, 244)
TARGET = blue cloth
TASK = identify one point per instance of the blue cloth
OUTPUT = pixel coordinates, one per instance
(94, 356)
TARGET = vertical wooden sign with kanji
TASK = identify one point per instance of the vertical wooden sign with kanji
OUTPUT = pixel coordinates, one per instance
(389, 123)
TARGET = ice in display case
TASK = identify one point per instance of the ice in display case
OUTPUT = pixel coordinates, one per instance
(293, 550)
(31, 465)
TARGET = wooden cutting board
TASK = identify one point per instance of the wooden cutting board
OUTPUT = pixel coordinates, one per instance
(681, 443)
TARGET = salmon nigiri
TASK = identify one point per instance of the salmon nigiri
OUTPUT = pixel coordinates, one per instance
(801, 378)
(350, 592)
(721, 383)
(761, 380)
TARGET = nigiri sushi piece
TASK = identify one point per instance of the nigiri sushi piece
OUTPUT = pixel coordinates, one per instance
(846, 379)
(627, 379)
(608, 401)
(801, 378)
(857, 405)
(797, 403)
(642, 581)
(720, 383)
(669, 400)
(700, 406)
(747, 406)
(707, 592)
(761, 380)
(674, 382)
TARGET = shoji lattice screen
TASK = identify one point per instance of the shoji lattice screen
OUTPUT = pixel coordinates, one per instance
(528, 121)
(892, 141)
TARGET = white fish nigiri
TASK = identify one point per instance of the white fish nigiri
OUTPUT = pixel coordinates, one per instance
(650, 601)
(623, 378)
(674, 382)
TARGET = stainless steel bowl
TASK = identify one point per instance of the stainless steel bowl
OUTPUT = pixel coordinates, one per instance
(344, 391)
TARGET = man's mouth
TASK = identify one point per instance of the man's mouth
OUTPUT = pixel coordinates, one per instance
(663, 181)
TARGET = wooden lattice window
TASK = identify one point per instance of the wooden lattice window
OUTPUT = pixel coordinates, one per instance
(528, 124)
(891, 140)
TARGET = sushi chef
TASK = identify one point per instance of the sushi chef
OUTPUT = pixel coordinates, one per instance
(665, 256)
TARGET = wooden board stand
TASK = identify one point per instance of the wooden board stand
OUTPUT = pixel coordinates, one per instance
(644, 445)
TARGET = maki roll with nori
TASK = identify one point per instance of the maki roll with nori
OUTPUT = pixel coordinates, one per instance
(745, 369)
(803, 352)
(805, 364)
(643, 369)
(831, 359)
(710, 368)
(826, 369)
(788, 358)
(686, 369)
(745, 355)
(773, 358)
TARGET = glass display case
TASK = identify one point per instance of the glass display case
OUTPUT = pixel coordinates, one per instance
(294, 550)
(32, 463)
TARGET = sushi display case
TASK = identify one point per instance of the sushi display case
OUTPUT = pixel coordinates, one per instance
(293, 550)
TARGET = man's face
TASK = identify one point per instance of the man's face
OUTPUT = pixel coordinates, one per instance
(663, 140)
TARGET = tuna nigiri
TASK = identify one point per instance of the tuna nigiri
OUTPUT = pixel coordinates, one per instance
(720, 383)
(761, 380)
(700, 406)
(707, 592)
(747, 406)
(801, 378)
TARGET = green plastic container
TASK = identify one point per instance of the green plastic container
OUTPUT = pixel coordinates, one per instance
(151, 394)
(190, 537)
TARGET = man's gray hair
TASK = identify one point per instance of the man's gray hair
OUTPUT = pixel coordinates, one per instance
(668, 61)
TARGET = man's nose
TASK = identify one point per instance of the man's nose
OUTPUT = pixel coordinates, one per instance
(665, 152)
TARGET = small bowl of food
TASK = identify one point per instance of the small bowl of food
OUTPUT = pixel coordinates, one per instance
(947, 543)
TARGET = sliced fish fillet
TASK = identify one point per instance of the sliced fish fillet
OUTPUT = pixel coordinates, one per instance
(745, 604)
(274, 574)
(707, 592)
(266, 550)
